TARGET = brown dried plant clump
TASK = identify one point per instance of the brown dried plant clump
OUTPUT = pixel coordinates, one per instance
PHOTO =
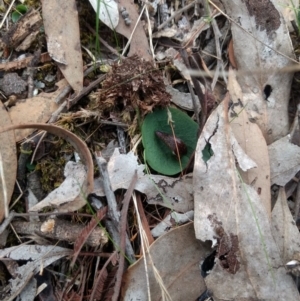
(132, 87)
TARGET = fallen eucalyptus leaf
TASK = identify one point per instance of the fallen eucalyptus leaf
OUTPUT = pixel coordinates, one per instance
(63, 39)
(139, 44)
(8, 163)
(41, 108)
(176, 257)
(262, 46)
(181, 99)
(35, 256)
(230, 213)
(251, 141)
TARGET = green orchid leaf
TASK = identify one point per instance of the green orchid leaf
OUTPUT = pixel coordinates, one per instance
(157, 154)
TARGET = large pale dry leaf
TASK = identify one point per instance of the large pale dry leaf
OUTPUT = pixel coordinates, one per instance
(8, 161)
(266, 91)
(29, 292)
(230, 213)
(37, 109)
(68, 191)
(178, 62)
(139, 44)
(108, 12)
(37, 256)
(284, 229)
(284, 160)
(173, 193)
(33, 252)
(251, 140)
(63, 39)
(181, 99)
(176, 256)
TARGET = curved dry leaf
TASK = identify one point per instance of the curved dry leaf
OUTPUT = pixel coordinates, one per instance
(63, 39)
(266, 91)
(231, 54)
(230, 213)
(176, 256)
(8, 161)
(83, 152)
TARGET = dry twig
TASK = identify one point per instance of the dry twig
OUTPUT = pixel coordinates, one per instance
(120, 271)
(113, 212)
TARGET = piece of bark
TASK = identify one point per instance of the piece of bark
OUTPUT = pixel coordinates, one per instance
(27, 25)
(23, 63)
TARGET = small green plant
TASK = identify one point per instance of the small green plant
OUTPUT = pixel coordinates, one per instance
(103, 5)
(20, 10)
(297, 14)
(207, 16)
(296, 23)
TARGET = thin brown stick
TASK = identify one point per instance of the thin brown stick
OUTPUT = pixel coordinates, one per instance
(101, 273)
(7, 221)
(297, 202)
(123, 221)
(144, 219)
(64, 106)
(113, 212)
(178, 12)
(86, 232)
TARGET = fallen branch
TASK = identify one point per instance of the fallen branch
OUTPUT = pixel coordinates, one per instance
(60, 230)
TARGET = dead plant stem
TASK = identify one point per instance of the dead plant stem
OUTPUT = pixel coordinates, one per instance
(123, 221)
(178, 12)
(113, 212)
